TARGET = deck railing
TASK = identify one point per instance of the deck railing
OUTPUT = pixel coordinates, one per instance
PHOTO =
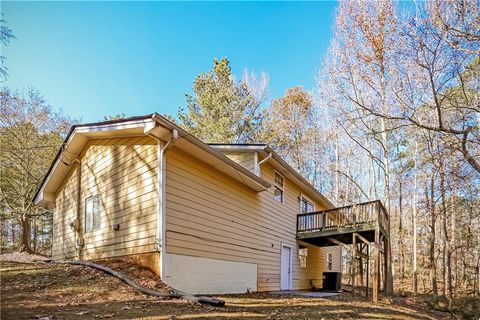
(342, 217)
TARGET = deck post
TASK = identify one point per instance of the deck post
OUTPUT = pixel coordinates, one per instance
(385, 266)
(354, 261)
(387, 273)
(368, 269)
(376, 265)
(360, 266)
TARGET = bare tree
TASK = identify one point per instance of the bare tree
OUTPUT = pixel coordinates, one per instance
(31, 133)
(401, 95)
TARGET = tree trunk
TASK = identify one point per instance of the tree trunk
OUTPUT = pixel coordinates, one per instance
(25, 221)
(35, 232)
(476, 281)
(414, 222)
(444, 267)
(400, 234)
(12, 225)
(372, 180)
(447, 268)
(3, 242)
(433, 263)
(453, 262)
(388, 196)
(337, 168)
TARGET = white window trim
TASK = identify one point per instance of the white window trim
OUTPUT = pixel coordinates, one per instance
(85, 214)
(303, 196)
(283, 184)
(306, 256)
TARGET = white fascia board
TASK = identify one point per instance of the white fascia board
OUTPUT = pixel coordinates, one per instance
(115, 126)
(238, 148)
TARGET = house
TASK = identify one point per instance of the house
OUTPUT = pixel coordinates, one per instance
(215, 218)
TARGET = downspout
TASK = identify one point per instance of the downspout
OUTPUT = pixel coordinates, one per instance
(162, 149)
(76, 224)
(257, 167)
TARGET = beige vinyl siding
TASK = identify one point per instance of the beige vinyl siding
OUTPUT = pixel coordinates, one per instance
(316, 264)
(64, 237)
(245, 159)
(211, 215)
(124, 172)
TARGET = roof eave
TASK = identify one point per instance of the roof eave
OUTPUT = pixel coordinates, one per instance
(238, 147)
(258, 184)
(264, 147)
(45, 198)
(135, 125)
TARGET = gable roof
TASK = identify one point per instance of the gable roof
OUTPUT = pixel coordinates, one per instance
(152, 124)
(79, 135)
(281, 165)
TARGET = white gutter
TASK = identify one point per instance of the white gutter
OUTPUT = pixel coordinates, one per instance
(257, 166)
(162, 149)
(240, 148)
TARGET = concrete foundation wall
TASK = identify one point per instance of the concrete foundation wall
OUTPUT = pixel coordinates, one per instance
(204, 275)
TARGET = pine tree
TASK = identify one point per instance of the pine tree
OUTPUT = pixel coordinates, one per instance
(221, 110)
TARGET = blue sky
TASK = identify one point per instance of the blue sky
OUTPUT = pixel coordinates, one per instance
(103, 58)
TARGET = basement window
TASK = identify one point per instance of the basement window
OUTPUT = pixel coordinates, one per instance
(329, 261)
(92, 213)
(302, 256)
(278, 187)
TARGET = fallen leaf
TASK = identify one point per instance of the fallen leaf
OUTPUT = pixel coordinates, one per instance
(82, 312)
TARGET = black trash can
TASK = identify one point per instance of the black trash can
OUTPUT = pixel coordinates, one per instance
(332, 281)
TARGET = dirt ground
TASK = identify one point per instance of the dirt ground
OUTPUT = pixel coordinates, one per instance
(35, 290)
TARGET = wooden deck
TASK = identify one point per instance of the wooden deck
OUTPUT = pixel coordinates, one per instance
(319, 228)
(354, 227)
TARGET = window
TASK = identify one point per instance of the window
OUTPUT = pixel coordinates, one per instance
(307, 222)
(329, 261)
(302, 256)
(306, 206)
(278, 187)
(92, 213)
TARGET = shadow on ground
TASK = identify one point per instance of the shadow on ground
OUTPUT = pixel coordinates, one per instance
(36, 291)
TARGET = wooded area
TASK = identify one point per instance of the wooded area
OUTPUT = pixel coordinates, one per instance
(394, 116)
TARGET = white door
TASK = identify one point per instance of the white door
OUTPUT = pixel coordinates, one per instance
(286, 268)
